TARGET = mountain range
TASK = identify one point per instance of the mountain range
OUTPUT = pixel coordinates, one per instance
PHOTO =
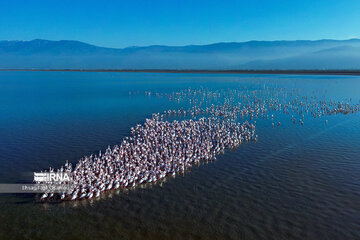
(253, 55)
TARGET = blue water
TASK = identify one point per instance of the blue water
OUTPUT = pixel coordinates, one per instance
(296, 182)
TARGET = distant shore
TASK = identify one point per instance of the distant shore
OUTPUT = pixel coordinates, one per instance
(298, 72)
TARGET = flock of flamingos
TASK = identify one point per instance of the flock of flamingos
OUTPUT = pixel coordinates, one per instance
(171, 142)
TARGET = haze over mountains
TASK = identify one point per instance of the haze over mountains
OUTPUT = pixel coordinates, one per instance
(267, 55)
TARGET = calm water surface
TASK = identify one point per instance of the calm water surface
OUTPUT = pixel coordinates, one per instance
(296, 182)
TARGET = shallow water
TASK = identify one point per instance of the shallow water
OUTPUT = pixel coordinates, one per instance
(296, 182)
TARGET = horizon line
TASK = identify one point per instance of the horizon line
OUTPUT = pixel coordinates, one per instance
(347, 72)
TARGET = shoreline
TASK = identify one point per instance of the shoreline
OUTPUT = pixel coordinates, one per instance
(290, 72)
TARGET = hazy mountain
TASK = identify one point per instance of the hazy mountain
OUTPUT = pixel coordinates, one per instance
(321, 54)
(342, 57)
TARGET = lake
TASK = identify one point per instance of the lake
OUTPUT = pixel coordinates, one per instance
(296, 182)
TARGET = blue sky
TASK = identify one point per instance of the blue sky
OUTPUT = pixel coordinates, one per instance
(141, 22)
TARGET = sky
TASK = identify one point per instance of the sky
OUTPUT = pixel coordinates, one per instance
(120, 24)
